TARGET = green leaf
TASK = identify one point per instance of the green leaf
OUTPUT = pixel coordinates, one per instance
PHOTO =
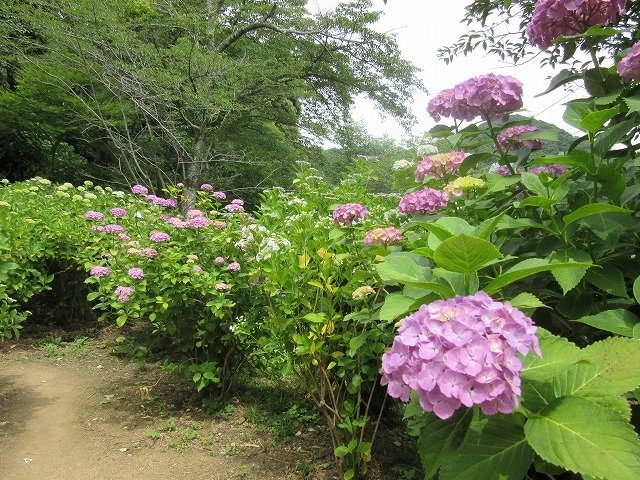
(592, 209)
(395, 304)
(608, 279)
(496, 451)
(538, 202)
(594, 121)
(609, 367)
(402, 269)
(612, 135)
(526, 300)
(568, 278)
(524, 269)
(356, 342)
(586, 438)
(558, 355)
(486, 228)
(465, 254)
(633, 104)
(534, 184)
(563, 77)
(575, 112)
(536, 395)
(438, 438)
(617, 321)
(636, 289)
(91, 296)
(472, 160)
(575, 158)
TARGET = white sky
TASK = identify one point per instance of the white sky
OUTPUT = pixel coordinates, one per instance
(421, 27)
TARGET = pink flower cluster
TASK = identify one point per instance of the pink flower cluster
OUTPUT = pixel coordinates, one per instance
(219, 261)
(111, 228)
(163, 202)
(554, 170)
(93, 215)
(439, 164)
(219, 195)
(175, 222)
(149, 252)
(383, 236)
(118, 212)
(426, 200)
(99, 271)
(509, 138)
(139, 189)
(123, 293)
(159, 237)
(462, 351)
(198, 222)
(222, 287)
(349, 213)
(555, 18)
(206, 187)
(136, 273)
(487, 96)
(234, 207)
(629, 66)
(233, 267)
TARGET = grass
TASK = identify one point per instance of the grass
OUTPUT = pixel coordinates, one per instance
(56, 347)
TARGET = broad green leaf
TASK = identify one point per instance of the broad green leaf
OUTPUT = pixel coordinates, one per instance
(568, 278)
(608, 279)
(575, 158)
(465, 254)
(438, 438)
(406, 270)
(609, 367)
(455, 225)
(563, 77)
(536, 396)
(536, 201)
(549, 135)
(457, 280)
(592, 209)
(575, 112)
(472, 160)
(612, 135)
(617, 321)
(437, 230)
(586, 438)
(633, 104)
(636, 289)
(526, 300)
(558, 355)
(486, 228)
(524, 269)
(534, 184)
(397, 304)
(594, 121)
(497, 451)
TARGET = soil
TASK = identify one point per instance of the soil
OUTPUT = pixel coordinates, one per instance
(91, 416)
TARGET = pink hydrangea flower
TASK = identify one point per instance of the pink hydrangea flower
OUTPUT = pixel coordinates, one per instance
(426, 200)
(221, 286)
(98, 228)
(234, 207)
(136, 273)
(158, 237)
(554, 170)
(555, 18)
(124, 237)
(149, 252)
(219, 224)
(99, 271)
(439, 164)
(383, 236)
(349, 213)
(193, 213)
(93, 215)
(462, 351)
(198, 222)
(175, 222)
(197, 269)
(123, 293)
(118, 212)
(207, 187)
(114, 228)
(219, 195)
(233, 267)
(140, 189)
(629, 66)
(237, 201)
(509, 138)
(505, 172)
(219, 261)
(163, 202)
(487, 96)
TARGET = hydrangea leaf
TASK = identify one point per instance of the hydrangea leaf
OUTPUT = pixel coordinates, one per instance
(407, 271)
(568, 278)
(609, 367)
(617, 321)
(592, 209)
(499, 450)
(536, 396)
(558, 355)
(465, 254)
(608, 279)
(636, 289)
(587, 438)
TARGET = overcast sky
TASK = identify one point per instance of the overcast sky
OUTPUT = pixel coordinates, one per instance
(421, 27)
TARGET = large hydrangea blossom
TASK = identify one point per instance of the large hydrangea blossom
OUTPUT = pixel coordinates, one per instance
(629, 66)
(509, 138)
(349, 213)
(426, 200)
(487, 96)
(439, 164)
(383, 236)
(555, 18)
(460, 352)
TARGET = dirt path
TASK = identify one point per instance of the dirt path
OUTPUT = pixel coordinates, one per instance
(73, 419)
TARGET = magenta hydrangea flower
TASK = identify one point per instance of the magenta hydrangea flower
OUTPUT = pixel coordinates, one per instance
(439, 164)
(99, 271)
(113, 228)
(140, 189)
(193, 213)
(237, 201)
(221, 287)
(198, 222)
(426, 200)
(554, 170)
(207, 187)
(349, 213)
(219, 261)
(233, 267)
(555, 18)
(123, 293)
(158, 236)
(505, 171)
(163, 202)
(487, 96)
(149, 252)
(124, 237)
(219, 195)
(462, 351)
(629, 66)
(234, 207)
(383, 236)
(98, 228)
(136, 273)
(509, 138)
(118, 212)
(175, 222)
(93, 215)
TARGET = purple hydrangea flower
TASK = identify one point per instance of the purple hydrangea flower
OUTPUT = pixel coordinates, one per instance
(234, 207)
(219, 195)
(462, 351)
(221, 287)
(426, 200)
(237, 201)
(99, 271)
(629, 66)
(123, 293)
(198, 222)
(98, 228)
(383, 236)
(509, 138)
(124, 237)
(193, 213)
(141, 189)
(118, 212)
(233, 267)
(555, 170)
(136, 273)
(207, 187)
(149, 252)
(555, 18)
(163, 202)
(219, 261)
(93, 215)
(349, 213)
(158, 237)
(219, 224)
(114, 228)
(439, 164)
(175, 222)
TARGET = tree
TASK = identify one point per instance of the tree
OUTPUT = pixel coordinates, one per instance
(198, 84)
